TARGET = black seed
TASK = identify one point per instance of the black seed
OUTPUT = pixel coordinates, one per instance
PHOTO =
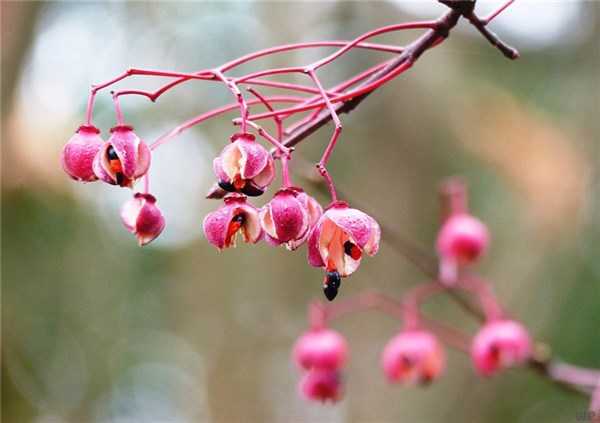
(333, 279)
(251, 190)
(330, 292)
(348, 248)
(112, 154)
(239, 218)
(226, 186)
(120, 178)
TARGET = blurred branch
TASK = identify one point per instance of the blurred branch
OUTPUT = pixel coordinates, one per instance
(17, 31)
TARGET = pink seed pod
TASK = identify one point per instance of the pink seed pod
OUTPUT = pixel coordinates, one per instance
(78, 154)
(320, 348)
(462, 238)
(244, 166)
(235, 215)
(339, 238)
(337, 242)
(461, 241)
(413, 356)
(285, 220)
(142, 218)
(123, 159)
(321, 385)
(499, 345)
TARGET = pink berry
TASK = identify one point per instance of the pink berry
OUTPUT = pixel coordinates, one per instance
(413, 356)
(78, 154)
(285, 220)
(321, 385)
(123, 159)
(244, 166)
(322, 349)
(462, 239)
(339, 238)
(235, 215)
(500, 345)
(142, 218)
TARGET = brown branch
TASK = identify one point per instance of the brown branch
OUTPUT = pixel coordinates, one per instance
(410, 54)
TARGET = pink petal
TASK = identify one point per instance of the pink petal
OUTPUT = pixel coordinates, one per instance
(254, 158)
(101, 166)
(125, 143)
(266, 175)
(221, 174)
(314, 254)
(144, 159)
(229, 163)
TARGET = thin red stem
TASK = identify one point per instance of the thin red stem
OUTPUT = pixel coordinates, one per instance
(200, 118)
(492, 15)
(379, 31)
(117, 110)
(288, 47)
(238, 94)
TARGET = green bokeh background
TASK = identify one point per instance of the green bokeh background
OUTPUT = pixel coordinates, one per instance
(96, 329)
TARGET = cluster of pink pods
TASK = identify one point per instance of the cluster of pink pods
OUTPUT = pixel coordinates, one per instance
(414, 356)
(122, 160)
(336, 237)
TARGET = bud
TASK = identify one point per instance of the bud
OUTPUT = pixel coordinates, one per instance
(142, 218)
(321, 348)
(500, 345)
(413, 356)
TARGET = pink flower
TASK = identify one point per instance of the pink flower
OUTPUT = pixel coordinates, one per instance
(123, 158)
(337, 242)
(285, 220)
(461, 240)
(79, 152)
(244, 166)
(321, 348)
(321, 385)
(142, 218)
(413, 356)
(500, 345)
(222, 225)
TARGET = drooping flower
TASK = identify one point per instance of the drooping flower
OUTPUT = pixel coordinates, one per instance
(321, 385)
(142, 218)
(79, 152)
(413, 356)
(337, 242)
(235, 215)
(285, 220)
(499, 345)
(244, 166)
(462, 240)
(123, 159)
(320, 348)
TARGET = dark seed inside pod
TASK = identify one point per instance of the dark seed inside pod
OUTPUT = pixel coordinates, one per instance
(111, 153)
(226, 186)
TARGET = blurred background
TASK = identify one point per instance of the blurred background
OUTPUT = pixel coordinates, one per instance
(95, 328)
